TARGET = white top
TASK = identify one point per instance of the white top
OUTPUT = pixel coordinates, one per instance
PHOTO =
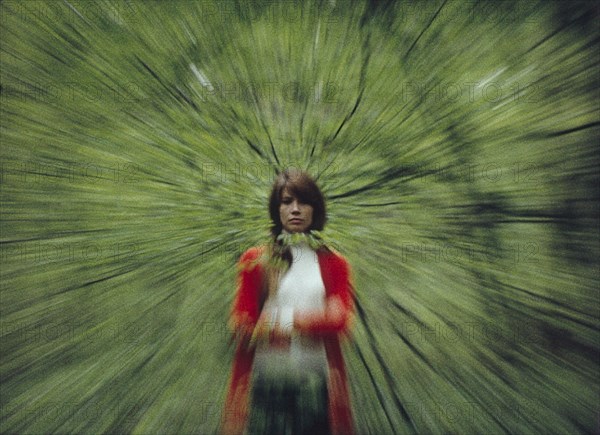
(300, 288)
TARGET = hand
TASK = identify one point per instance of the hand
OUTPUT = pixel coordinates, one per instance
(333, 318)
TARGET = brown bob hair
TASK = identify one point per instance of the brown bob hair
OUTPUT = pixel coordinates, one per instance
(305, 189)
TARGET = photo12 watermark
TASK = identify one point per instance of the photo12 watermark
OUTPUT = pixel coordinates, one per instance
(464, 414)
(240, 171)
(267, 92)
(40, 333)
(432, 252)
(490, 92)
(73, 92)
(525, 333)
(229, 253)
(55, 252)
(37, 172)
(53, 412)
(493, 172)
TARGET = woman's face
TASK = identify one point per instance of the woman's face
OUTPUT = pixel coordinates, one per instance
(296, 216)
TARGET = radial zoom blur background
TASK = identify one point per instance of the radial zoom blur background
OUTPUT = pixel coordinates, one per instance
(457, 146)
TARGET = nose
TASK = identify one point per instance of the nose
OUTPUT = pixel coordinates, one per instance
(295, 207)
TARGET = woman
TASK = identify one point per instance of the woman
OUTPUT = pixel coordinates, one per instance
(294, 301)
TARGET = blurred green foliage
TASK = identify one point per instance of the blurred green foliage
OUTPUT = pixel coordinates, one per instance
(456, 142)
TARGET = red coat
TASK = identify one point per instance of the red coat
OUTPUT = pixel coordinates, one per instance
(329, 325)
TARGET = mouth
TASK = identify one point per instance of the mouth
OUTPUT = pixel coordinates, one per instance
(295, 221)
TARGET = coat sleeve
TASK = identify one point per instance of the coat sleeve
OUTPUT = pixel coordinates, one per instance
(244, 315)
(245, 309)
(339, 303)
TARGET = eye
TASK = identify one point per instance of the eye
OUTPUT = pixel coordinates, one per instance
(287, 200)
